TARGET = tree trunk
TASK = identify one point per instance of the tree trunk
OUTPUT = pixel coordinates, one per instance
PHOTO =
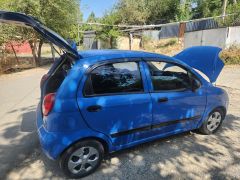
(33, 45)
(235, 1)
(15, 53)
(53, 52)
(39, 54)
(111, 42)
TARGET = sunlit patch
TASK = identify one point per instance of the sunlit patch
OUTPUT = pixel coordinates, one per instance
(58, 105)
(115, 161)
(72, 85)
(85, 65)
(65, 141)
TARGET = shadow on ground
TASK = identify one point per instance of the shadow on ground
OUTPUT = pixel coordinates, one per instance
(19, 140)
(188, 155)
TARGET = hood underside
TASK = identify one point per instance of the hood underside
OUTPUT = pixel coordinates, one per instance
(203, 58)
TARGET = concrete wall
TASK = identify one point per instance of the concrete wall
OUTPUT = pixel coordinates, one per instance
(233, 36)
(123, 43)
(211, 37)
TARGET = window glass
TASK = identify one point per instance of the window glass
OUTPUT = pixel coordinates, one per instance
(114, 78)
(167, 76)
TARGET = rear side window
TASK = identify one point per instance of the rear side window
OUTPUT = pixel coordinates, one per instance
(168, 77)
(114, 78)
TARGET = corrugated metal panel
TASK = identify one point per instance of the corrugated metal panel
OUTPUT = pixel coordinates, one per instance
(89, 41)
(169, 31)
(165, 32)
(201, 25)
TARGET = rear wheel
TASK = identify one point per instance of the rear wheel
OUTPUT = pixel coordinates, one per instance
(82, 159)
(214, 121)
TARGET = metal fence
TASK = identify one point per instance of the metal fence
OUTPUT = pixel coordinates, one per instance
(172, 30)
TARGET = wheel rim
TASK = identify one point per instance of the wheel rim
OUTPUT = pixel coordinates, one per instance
(214, 121)
(83, 160)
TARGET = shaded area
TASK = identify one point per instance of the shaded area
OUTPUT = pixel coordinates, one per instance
(188, 155)
(20, 141)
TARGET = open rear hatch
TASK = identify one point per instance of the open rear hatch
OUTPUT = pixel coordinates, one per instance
(203, 58)
(59, 70)
(48, 34)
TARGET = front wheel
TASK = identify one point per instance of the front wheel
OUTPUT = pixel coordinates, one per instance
(82, 159)
(214, 121)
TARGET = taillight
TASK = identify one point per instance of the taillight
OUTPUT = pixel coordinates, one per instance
(48, 103)
(44, 78)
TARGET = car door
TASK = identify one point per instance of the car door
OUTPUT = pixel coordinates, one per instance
(114, 101)
(177, 106)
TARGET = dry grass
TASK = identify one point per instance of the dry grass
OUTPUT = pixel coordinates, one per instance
(231, 55)
(166, 46)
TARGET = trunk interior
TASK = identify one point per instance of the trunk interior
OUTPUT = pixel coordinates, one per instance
(57, 73)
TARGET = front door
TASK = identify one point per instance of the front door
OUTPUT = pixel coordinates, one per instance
(114, 101)
(176, 106)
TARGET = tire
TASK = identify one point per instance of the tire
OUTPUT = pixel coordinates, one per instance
(213, 123)
(82, 158)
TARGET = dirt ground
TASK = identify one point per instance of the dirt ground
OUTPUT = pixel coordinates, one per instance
(186, 156)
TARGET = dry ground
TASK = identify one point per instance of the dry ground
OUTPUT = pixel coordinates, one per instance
(185, 156)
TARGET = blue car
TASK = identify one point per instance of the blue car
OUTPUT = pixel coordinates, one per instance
(99, 101)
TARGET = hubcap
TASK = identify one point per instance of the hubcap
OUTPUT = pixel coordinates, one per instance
(83, 160)
(214, 121)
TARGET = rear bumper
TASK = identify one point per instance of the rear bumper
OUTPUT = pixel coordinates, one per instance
(55, 142)
(52, 143)
(45, 138)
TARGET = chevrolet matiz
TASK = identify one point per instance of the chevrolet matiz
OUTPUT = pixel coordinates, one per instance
(100, 101)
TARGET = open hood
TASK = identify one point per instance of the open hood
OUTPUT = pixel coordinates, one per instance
(203, 58)
(28, 21)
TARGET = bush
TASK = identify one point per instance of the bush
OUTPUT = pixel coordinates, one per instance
(231, 55)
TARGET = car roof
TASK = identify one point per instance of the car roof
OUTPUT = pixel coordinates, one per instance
(107, 54)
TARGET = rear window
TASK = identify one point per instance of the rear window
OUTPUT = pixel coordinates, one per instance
(114, 78)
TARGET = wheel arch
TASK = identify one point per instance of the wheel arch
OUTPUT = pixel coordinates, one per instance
(206, 114)
(98, 139)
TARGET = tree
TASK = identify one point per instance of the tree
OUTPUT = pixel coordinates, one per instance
(92, 18)
(150, 11)
(110, 32)
(59, 15)
(184, 11)
(209, 8)
(132, 11)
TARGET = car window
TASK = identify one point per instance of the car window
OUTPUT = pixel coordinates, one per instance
(167, 76)
(114, 78)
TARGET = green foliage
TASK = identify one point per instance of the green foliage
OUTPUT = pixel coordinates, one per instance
(208, 8)
(132, 11)
(147, 11)
(234, 18)
(59, 15)
(184, 11)
(162, 11)
(106, 32)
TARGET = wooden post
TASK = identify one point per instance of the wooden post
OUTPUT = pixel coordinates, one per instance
(182, 27)
(130, 40)
(224, 8)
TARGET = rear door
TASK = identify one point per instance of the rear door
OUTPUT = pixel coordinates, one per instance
(113, 100)
(176, 107)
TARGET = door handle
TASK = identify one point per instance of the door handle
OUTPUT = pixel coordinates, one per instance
(94, 108)
(164, 99)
